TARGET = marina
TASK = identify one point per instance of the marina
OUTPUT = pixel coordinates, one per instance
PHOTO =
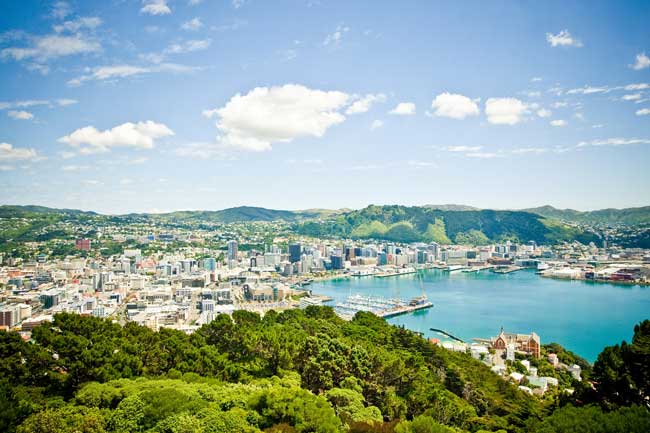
(380, 306)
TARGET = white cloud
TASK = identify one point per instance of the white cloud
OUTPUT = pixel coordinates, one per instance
(482, 155)
(558, 122)
(65, 102)
(74, 167)
(614, 142)
(194, 2)
(52, 46)
(631, 97)
(588, 90)
(543, 112)
(335, 38)
(404, 109)
(642, 62)
(562, 39)
(643, 112)
(141, 135)
(363, 104)
(504, 111)
(60, 10)
(376, 124)
(192, 25)
(420, 164)
(10, 153)
(454, 106)
(188, 46)
(264, 116)
(92, 182)
(238, 3)
(536, 79)
(637, 86)
(74, 26)
(463, 148)
(528, 150)
(103, 73)
(67, 155)
(560, 104)
(126, 181)
(7, 167)
(155, 7)
(20, 115)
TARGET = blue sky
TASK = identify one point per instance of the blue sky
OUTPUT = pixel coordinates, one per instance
(156, 105)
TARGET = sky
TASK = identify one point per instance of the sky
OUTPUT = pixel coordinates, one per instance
(124, 106)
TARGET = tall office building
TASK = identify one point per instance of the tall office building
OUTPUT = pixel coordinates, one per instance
(232, 250)
(295, 250)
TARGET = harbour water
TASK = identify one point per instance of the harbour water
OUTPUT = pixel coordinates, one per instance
(582, 316)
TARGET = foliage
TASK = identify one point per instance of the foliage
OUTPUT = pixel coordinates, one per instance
(295, 371)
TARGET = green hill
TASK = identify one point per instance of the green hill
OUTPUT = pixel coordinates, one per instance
(629, 216)
(410, 224)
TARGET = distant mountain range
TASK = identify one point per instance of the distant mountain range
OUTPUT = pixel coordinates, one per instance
(449, 223)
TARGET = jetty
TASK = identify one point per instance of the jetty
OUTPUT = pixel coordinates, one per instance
(446, 334)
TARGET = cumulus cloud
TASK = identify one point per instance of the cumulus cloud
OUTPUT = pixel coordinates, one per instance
(192, 25)
(20, 115)
(558, 122)
(403, 109)
(264, 116)
(614, 142)
(642, 62)
(504, 111)
(50, 47)
(454, 106)
(10, 153)
(563, 39)
(543, 112)
(155, 7)
(363, 104)
(141, 135)
(643, 112)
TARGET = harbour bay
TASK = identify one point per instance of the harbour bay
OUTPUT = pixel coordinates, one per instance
(583, 317)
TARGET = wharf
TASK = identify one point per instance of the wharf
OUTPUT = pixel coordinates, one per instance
(506, 270)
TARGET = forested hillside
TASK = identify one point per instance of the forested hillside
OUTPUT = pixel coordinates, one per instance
(298, 371)
(411, 224)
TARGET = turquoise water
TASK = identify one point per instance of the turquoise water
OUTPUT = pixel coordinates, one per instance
(584, 317)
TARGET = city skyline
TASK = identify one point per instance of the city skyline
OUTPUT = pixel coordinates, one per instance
(150, 106)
